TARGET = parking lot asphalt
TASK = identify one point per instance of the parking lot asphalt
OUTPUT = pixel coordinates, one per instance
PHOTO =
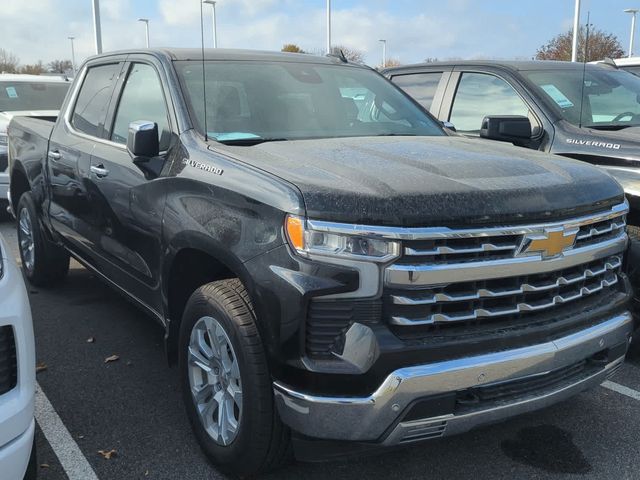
(133, 406)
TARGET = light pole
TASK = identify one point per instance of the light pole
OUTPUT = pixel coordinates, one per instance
(328, 27)
(73, 57)
(633, 12)
(384, 52)
(215, 27)
(97, 30)
(576, 31)
(146, 28)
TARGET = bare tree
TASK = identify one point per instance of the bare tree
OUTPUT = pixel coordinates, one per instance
(352, 54)
(60, 66)
(392, 62)
(35, 69)
(601, 45)
(8, 61)
(292, 48)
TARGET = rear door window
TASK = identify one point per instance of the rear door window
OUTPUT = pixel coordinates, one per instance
(92, 104)
(421, 86)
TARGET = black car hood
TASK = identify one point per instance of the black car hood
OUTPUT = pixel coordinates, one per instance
(426, 181)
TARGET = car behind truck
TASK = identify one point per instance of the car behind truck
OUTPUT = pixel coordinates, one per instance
(334, 271)
(588, 112)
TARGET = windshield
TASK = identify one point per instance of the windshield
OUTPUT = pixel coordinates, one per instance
(16, 96)
(611, 97)
(259, 101)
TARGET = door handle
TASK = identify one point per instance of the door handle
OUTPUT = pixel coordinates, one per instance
(99, 171)
(54, 155)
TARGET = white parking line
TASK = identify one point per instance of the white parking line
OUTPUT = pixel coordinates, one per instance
(616, 387)
(66, 449)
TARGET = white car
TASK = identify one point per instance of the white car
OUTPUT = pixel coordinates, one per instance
(25, 95)
(17, 373)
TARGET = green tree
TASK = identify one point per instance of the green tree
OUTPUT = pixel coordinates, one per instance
(601, 45)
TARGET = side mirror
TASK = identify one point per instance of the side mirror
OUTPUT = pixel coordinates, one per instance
(448, 125)
(142, 141)
(507, 128)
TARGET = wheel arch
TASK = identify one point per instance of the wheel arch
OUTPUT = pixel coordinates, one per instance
(195, 259)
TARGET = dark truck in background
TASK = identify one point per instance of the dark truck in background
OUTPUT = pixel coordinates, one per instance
(540, 105)
(335, 272)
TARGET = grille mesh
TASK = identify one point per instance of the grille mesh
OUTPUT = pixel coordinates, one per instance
(327, 321)
(8, 365)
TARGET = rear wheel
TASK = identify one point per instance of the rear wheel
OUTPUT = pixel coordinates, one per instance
(226, 382)
(44, 263)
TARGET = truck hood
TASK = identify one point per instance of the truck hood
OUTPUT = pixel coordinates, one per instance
(428, 181)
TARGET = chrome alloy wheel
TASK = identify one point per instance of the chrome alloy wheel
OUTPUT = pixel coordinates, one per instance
(214, 379)
(25, 237)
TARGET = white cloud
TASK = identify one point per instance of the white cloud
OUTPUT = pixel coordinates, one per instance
(38, 29)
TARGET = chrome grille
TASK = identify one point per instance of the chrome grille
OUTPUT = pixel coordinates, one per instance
(452, 277)
(495, 298)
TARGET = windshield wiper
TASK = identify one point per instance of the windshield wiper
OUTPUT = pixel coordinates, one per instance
(248, 142)
(612, 127)
(396, 135)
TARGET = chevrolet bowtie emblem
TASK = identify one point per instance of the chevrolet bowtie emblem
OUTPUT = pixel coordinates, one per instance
(550, 243)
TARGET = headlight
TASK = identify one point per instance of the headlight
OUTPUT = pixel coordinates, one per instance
(307, 242)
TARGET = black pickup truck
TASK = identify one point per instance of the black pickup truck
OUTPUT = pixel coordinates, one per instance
(335, 271)
(587, 112)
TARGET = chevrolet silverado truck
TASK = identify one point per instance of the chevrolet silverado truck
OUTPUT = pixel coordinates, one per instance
(25, 95)
(588, 112)
(334, 270)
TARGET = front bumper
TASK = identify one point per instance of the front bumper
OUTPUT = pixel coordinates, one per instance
(17, 404)
(14, 457)
(381, 418)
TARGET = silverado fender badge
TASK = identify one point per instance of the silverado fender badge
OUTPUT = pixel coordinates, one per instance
(203, 166)
(594, 143)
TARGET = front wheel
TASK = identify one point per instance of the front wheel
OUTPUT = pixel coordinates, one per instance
(226, 382)
(44, 263)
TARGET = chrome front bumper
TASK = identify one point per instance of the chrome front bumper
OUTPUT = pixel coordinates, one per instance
(378, 417)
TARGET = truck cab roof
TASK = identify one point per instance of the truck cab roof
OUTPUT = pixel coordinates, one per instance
(23, 77)
(221, 54)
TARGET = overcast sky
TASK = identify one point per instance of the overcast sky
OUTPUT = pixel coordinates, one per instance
(415, 29)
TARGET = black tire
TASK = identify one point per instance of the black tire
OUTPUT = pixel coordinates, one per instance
(50, 263)
(262, 442)
(32, 467)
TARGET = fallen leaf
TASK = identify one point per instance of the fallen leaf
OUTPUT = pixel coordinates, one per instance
(44, 465)
(41, 366)
(91, 340)
(108, 453)
(112, 358)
